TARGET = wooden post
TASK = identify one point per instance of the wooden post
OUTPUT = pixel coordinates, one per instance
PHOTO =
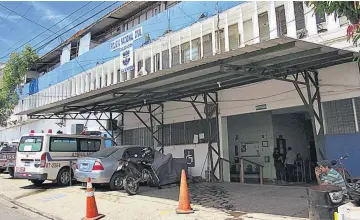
(261, 175)
(242, 170)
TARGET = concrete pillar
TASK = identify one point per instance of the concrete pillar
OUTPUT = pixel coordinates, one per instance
(122, 76)
(87, 81)
(310, 20)
(136, 69)
(109, 73)
(115, 72)
(241, 28)
(92, 78)
(190, 43)
(213, 37)
(332, 24)
(255, 22)
(65, 88)
(226, 33)
(82, 82)
(201, 41)
(170, 58)
(161, 57)
(224, 146)
(143, 67)
(290, 19)
(152, 68)
(272, 20)
(56, 93)
(180, 48)
(73, 86)
(103, 76)
(97, 77)
(60, 91)
(78, 84)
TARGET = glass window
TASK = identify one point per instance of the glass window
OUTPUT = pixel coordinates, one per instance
(185, 52)
(30, 144)
(339, 117)
(89, 145)
(63, 144)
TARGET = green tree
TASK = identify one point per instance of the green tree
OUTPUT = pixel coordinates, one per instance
(349, 9)
(13, 75)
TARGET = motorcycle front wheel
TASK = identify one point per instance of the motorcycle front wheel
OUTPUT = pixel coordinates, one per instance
(131, 185)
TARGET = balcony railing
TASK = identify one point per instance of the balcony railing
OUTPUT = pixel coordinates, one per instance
(231, 29)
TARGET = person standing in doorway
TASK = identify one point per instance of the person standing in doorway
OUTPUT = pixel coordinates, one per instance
(289, 164)
(279, 165)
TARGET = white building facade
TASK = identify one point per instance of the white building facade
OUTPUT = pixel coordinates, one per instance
(259, 113)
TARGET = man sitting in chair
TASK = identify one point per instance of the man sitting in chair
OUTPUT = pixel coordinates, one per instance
(326, 175)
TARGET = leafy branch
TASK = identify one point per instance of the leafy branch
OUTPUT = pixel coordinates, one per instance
(13, 75)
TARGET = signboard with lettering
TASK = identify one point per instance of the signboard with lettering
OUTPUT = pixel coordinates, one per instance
(127, 59)
(123, 41)
(189, 155)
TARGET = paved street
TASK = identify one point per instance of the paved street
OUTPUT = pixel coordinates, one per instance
(10, 211)
(227, 201)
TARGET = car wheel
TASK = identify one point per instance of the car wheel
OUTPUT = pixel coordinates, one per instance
(63, 177)
(37, 182)
(11, 172)
(116, 181)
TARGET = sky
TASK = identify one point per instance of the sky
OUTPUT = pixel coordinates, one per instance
(59, 16)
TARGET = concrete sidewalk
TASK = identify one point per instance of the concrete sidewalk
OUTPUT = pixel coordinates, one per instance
(69, 203)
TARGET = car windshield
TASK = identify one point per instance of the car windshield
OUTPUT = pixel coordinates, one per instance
(104, 152)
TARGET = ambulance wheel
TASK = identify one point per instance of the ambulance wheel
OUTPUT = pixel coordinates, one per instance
(63, 177)
(11, 172)
(37, 182)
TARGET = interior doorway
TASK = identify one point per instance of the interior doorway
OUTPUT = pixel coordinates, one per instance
(255, 136)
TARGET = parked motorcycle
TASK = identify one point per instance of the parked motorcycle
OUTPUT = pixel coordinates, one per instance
(139, 170)
(352, 188)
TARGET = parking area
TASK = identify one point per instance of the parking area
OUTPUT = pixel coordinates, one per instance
(221, 201)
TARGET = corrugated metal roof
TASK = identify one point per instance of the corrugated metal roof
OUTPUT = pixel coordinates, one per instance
(286, 55)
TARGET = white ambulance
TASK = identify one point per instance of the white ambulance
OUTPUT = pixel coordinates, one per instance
(47, 156)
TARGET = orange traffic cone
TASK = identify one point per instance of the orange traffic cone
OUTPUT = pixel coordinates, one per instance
(184, 202)
(91, 208)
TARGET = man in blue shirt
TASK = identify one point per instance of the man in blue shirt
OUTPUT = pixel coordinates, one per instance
(330, 176)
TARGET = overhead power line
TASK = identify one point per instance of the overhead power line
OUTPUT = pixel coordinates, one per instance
(50, 27)
(56, 33)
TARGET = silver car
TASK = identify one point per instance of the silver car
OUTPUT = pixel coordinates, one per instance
(102, 166)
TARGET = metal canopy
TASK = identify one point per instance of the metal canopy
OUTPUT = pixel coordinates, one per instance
(273, 59)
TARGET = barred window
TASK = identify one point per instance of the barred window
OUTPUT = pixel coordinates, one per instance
(137, 136)
(207, 45)
(234, 37)
(339, 117)
(174, 134)
(165, 59)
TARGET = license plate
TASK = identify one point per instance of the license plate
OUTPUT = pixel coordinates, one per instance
(27, 164)
(20, 169)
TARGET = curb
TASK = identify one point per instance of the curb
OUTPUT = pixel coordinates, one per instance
(30, 209)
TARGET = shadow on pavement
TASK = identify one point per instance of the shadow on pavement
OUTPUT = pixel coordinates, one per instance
(229, 197)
